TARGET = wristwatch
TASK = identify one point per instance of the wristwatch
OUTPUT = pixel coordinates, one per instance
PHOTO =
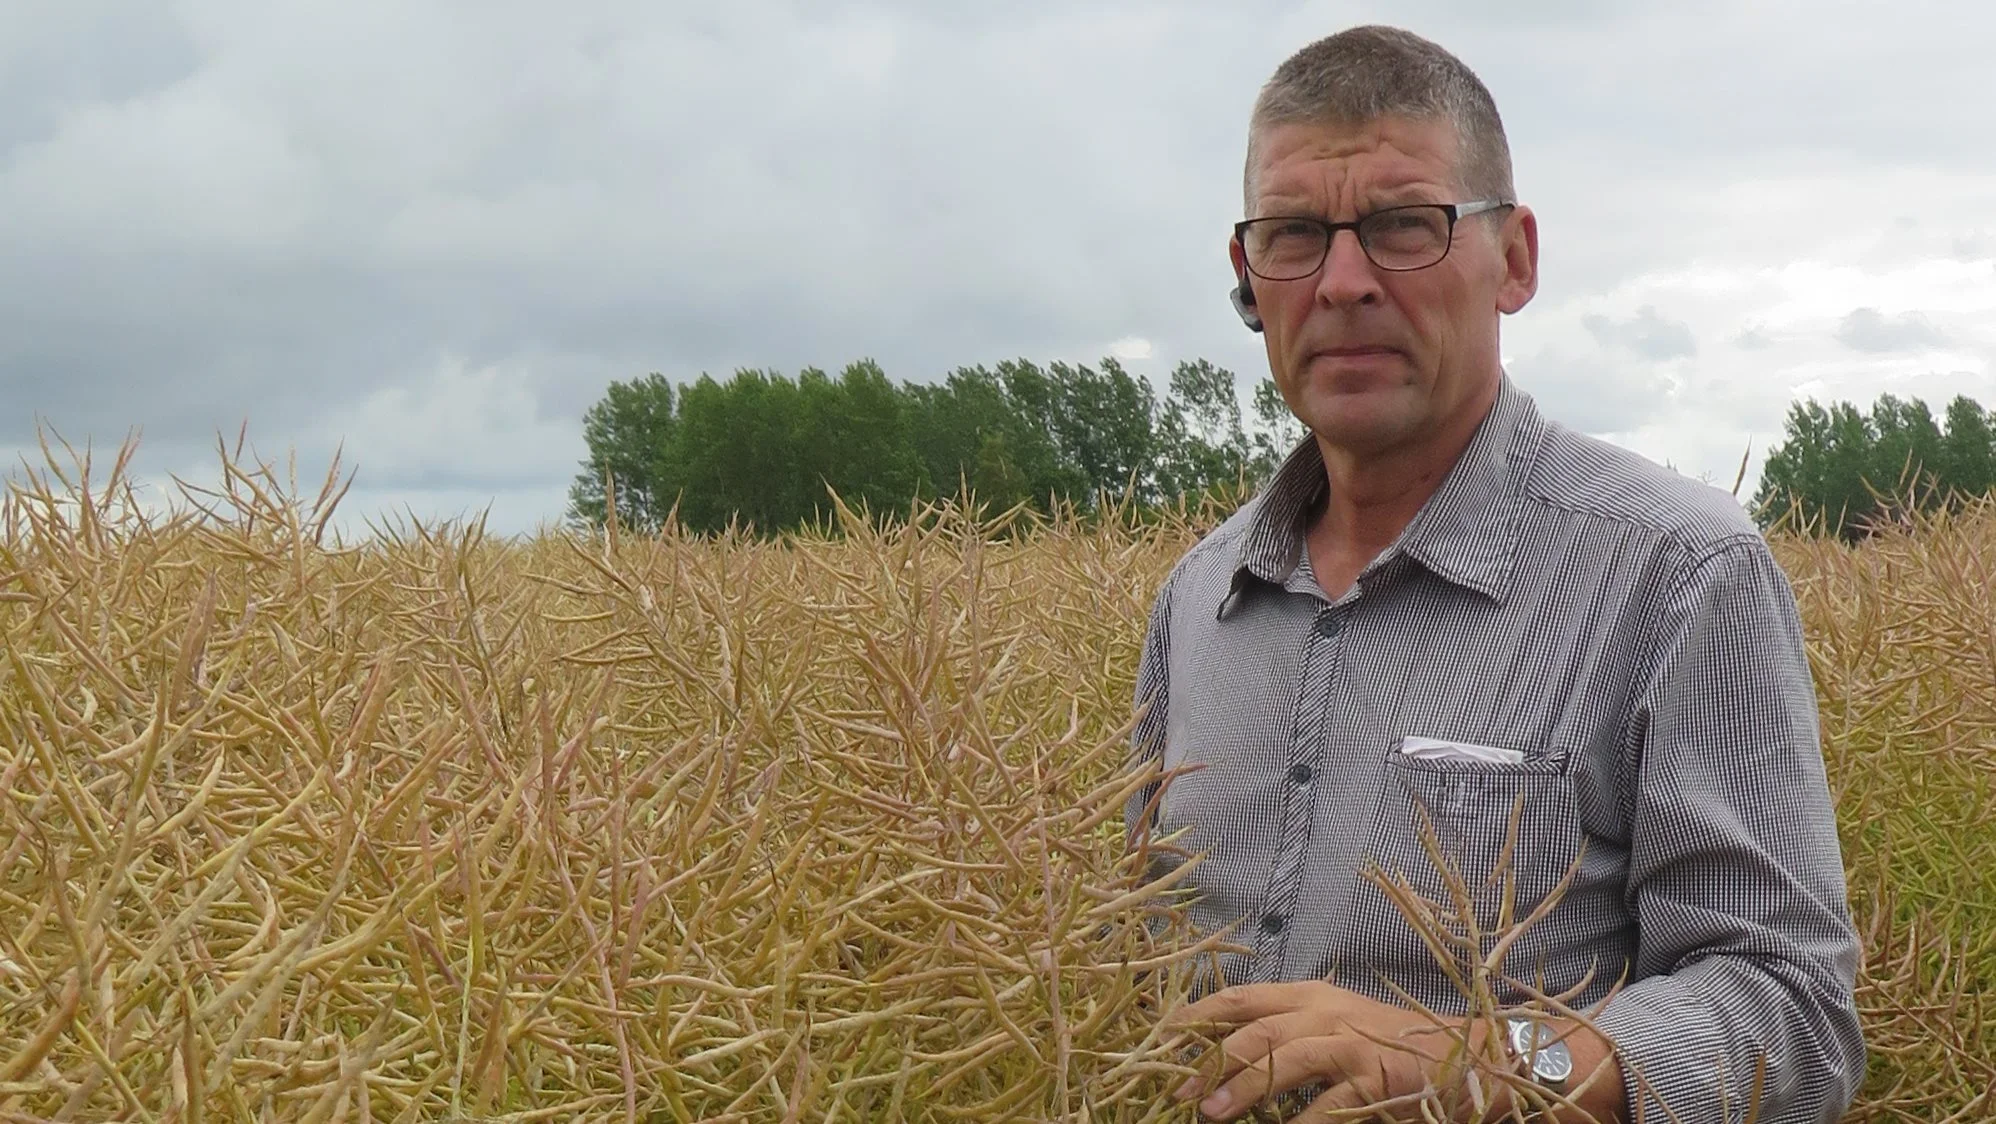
(1550, 1063)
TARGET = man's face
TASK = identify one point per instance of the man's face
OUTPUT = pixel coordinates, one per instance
(1373, 360)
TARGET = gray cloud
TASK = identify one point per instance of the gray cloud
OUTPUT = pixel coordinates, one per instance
(220, 210)
(1867, 329)
(1752, 339)
(1645, 334)
(1591, 392)
(57, 56)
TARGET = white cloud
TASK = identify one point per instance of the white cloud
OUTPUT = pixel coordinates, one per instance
(1131, 347)
(456, 427)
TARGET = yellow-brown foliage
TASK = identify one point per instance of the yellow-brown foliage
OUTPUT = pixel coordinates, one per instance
(442, 827)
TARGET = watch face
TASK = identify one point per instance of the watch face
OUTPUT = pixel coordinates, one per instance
(1552, 1062)
(1555, 1063)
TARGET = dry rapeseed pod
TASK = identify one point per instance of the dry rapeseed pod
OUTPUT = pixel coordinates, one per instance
(828, 828)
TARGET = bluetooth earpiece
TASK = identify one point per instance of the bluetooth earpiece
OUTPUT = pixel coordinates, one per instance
(1243, 298)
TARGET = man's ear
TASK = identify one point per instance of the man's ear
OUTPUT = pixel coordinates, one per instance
(1242, 293)
(1520, 247)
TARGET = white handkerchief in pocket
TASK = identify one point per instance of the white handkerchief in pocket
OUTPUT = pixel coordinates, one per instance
(1438, 749)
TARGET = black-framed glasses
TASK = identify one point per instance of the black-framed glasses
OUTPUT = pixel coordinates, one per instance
(1399, 239)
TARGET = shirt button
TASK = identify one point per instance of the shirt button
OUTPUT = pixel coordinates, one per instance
(1299, 774)
(1329, 625)
(1271, 923)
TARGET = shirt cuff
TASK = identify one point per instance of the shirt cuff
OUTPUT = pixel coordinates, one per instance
(1673, 1052)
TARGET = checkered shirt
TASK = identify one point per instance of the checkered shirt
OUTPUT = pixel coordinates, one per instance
(1625, 629)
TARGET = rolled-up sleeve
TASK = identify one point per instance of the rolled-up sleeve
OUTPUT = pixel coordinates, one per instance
(1746, 952)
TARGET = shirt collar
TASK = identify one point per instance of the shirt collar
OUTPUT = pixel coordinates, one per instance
(1465, 533)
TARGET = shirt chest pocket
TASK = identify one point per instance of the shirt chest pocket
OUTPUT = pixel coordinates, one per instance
(1502, 829)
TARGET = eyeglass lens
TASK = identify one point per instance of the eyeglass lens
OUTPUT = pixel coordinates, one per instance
(1282, 249)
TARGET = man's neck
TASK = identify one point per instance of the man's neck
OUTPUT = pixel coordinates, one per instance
(1375, 495)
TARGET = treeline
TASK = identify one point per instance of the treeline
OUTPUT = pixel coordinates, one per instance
(765, 451)
(1841, 471)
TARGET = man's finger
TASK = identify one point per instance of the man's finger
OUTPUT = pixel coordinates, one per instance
(1249, 1047)
(1326, 1059)
(1341, 1103)
(1246, 1002)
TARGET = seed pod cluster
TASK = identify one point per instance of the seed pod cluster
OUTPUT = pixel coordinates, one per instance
(439, 826)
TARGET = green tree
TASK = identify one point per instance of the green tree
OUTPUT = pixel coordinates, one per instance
(764, 451)
(1202, 443)
(1277, 429)
(1842, 472)
(631, 435)
(852, 438)
(1793, 481)
(1906, 457)
(1968, 451)
(1105, 423)
(739, 452)
(995, 479)
(1043, 407)
(970, 430)
(1815, 479)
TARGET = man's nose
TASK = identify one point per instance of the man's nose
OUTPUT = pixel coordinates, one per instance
(1348, 276)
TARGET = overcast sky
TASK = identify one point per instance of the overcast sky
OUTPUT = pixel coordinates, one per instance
(434, 232)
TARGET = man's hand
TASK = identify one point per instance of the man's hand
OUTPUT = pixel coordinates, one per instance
(1373, 1057)
(1291, 1035)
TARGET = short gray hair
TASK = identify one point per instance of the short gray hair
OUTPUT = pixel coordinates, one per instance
(1363, 74)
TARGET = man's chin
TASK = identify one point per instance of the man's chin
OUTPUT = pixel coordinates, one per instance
(1365, 373)
(1364, 421)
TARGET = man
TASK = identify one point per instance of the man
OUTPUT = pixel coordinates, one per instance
(1444, 606)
